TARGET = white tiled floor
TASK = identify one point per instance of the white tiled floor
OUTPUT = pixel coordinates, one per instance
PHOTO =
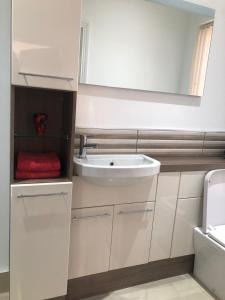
(176, 288)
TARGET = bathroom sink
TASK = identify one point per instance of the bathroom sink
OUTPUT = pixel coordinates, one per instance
(116, 166)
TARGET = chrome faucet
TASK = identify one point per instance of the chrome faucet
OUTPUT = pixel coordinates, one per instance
(84, 146)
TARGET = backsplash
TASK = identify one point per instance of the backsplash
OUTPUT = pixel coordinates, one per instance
(157, 143)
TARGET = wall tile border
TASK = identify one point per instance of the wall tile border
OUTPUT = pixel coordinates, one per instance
(158, 143)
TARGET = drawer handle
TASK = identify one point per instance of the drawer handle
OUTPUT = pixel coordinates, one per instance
(135, 211)
(42, 195)
(46, 76)
(91, 217)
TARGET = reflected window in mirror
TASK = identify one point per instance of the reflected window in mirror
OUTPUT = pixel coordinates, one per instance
(150, 45)
(201, 58)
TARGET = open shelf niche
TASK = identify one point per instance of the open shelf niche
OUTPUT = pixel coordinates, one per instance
(59, 106)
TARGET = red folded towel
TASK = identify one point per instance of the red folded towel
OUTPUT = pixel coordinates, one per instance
(38, 162)
(37, 175)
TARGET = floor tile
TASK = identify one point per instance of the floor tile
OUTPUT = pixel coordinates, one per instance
(4, 296)
(182, 287)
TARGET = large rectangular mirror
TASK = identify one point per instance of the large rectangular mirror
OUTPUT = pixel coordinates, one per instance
(152, 45)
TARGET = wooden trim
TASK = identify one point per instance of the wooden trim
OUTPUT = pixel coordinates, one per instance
(102, 283)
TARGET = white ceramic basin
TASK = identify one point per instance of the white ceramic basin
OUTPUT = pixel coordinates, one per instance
(116, 166)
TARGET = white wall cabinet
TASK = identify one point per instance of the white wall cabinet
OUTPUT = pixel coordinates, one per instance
(166, 200)
(188, 216)
(131, 236)
(91, 231)
(39, 242)
(45, 42)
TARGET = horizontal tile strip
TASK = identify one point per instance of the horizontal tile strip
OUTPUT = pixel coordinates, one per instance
(107, 133)
(215, 136)
(171, 152)
(168, 144)
(214, 145)
(108, 151)
(153, 142)
(170, 135)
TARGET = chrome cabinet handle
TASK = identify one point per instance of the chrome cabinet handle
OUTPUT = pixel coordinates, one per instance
(135, 211)
(42, 195)
(90, 217)
(46, 76)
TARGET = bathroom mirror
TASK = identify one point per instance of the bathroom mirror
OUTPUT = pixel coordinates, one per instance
(152, 45)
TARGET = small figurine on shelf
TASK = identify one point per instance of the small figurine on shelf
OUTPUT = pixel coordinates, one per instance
(40, 123)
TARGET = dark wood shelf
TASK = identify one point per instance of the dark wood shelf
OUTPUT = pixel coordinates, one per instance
(33, 135)
(59, 106)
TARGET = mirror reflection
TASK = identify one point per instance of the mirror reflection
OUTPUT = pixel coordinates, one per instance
(152, 45)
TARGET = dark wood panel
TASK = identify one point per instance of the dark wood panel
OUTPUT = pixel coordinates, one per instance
(180, 164)
(118, 279)
(59, 136)
(4, 283)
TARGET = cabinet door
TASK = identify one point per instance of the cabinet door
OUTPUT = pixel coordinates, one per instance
(166, 200)
(188, 216)
(191, 184)
(40, 236)
(91, 232)
(131, 237)
(45, 42)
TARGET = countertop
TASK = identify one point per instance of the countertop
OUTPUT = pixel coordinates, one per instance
(179, 164)
(172, 164)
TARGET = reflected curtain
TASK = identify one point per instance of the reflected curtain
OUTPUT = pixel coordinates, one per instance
(201, 59)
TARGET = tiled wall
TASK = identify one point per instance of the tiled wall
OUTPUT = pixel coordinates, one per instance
(157, 143)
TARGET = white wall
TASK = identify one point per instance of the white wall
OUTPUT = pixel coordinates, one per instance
(5, 11)
(140, 46)
(115, 108)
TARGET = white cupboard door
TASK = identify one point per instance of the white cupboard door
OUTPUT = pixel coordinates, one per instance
(45, 43)
(91, 232)
(39, 241)
(131, 237)
(166, 200)
(191, 184)
(188, 216)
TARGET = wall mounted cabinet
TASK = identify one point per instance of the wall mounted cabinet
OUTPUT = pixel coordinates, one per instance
(45, 43)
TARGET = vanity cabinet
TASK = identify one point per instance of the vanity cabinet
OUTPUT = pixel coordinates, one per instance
(191, 184)
(91, 231)
(39, 241)
(131, 235)
(188, 216)
(188, 212)
(165, 209)
(109, 237)
(90, 194)
(130, 225)
(45, 43)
